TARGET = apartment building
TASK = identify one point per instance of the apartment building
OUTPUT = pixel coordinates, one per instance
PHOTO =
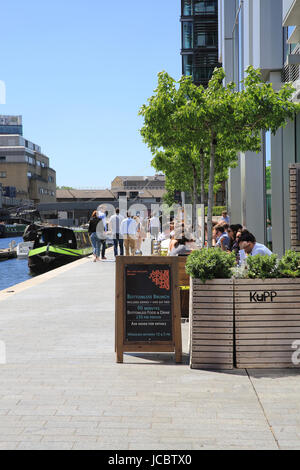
(23, 165)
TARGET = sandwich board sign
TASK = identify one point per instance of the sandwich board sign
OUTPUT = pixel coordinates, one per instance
(148, 317)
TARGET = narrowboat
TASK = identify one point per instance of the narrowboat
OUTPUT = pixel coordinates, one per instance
(11, 230)
(56, 246)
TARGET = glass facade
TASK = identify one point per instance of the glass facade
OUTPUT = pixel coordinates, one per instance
(187, 35)
(187, 9)
(205, 7)
(199, 39)
(188, 65)
(199, 7)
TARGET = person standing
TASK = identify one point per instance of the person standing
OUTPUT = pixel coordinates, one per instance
(225, 218)
(128, 232)
(115, 227)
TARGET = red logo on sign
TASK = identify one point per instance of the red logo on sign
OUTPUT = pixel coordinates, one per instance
(161, 278)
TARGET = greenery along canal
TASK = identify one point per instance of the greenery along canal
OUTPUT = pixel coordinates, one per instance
(15, 270)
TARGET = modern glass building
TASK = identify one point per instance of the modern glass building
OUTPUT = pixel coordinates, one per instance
(265, 34)
(199, 50)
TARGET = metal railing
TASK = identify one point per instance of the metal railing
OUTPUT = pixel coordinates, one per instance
(291, 72)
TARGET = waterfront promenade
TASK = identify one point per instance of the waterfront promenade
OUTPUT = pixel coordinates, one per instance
(62, 389)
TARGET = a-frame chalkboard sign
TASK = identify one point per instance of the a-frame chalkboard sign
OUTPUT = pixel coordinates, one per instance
(148, 317)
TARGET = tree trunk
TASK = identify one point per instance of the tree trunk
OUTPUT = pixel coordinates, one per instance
(202, 222)
(195, 199)
(211, 189)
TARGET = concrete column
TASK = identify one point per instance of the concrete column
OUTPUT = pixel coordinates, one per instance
(252, 194)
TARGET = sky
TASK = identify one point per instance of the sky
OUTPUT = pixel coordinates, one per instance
(78, 72)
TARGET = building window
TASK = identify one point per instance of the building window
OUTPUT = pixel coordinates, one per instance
(208, 38)
(187, 7)
(30, 160)
(188, 64)
(187, 35)
(205, 7)
(2, 159)
(3, 174)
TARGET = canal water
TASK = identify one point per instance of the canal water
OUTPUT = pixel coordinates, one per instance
(12, 271)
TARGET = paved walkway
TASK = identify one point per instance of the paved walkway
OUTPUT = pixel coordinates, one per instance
(62, 389)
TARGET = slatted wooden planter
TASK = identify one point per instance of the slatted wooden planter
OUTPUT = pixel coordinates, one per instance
(267, 322)
(211, 324)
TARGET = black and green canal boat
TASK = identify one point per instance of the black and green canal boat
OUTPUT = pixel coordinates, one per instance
(55, 246)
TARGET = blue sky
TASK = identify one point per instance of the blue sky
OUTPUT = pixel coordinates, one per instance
(78, 72)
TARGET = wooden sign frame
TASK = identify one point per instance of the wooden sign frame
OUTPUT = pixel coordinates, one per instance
(121, 344)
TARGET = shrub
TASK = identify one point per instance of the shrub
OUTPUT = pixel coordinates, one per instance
(210, 263)
(289, 265)
(217, 210)
(263, 267)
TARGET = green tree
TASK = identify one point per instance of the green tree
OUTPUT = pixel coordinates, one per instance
(217, 121)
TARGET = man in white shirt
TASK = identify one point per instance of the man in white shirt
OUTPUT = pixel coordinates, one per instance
(154, 226)
(225, 217)
(250, 247)
(128, 232)
(115, 228)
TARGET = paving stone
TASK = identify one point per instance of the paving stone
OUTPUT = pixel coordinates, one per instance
(62, 389)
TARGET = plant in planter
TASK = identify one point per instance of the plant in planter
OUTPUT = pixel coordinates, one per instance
(210, 263)
(263, 267)
(289, 265)
(211, 308)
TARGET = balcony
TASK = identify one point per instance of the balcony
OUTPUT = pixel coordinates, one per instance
(291, 12)
(291, 70)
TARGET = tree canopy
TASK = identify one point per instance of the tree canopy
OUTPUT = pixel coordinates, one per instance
(211, 125)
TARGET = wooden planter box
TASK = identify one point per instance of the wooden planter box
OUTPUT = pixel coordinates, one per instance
(267, 322)
(211, 324)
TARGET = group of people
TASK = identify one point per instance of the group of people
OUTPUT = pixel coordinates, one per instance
(237, 239)
(175, 238)
(126, 232)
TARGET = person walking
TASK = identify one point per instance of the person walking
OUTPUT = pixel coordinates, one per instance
(115, 228)
(96, 243)
(141, 235)
(128, 232)
(154, 226)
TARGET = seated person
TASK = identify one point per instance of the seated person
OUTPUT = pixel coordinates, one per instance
(222, 238)
(250, 247)
(183, 244)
